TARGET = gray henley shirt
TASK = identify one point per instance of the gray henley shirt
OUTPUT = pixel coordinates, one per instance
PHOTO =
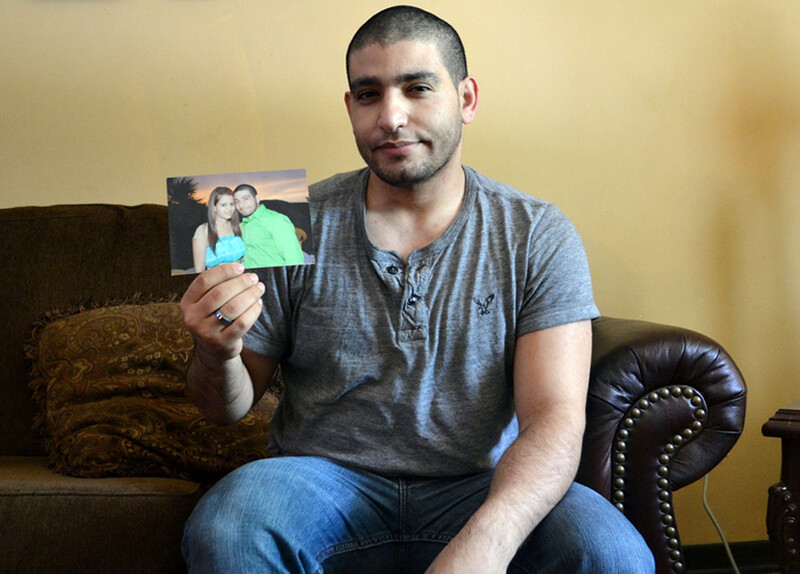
(405, 368)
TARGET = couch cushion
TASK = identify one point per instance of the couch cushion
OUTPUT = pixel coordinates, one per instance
(110, 383)
(78, 525)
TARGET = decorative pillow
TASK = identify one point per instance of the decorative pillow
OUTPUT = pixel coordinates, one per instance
(110, 384)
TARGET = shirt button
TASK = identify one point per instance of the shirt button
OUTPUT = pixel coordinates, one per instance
(393, 269)
(413, 300)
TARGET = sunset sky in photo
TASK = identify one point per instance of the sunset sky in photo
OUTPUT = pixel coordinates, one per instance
(289, 185)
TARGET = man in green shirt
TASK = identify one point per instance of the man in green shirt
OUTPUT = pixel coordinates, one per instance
(269, 237)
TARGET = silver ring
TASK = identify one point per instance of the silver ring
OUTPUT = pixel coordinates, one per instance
(222, 318)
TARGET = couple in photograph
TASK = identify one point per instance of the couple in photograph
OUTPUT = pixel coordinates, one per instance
(240, 229)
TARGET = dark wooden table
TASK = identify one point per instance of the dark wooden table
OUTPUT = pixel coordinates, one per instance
(783, 516)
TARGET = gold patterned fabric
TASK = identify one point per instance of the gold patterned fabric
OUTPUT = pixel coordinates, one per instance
(110, 384)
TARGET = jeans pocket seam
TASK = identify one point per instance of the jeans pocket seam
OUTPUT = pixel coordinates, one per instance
(344, 547)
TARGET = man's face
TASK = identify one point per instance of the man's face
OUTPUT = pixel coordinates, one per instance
(246, 203)
(405, 111)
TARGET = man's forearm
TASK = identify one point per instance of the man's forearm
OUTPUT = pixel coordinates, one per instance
(530, 479)
(222, 390)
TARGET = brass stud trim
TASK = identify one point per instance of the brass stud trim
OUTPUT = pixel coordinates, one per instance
(670, 449)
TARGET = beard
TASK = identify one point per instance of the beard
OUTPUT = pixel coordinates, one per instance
(440, 149)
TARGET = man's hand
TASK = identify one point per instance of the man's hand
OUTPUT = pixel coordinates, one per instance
(232, 293)
(219, 307)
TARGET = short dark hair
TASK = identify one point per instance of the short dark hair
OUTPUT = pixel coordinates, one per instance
(246, 187)
(400, 23)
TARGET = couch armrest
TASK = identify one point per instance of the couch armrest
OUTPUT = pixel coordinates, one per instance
(665, 406)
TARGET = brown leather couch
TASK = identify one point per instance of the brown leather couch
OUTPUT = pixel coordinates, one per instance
(665, 406)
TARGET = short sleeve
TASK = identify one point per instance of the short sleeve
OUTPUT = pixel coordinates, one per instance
(558, 285)
(271, 334)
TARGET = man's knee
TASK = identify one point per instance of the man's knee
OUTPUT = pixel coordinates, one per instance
(207, 540)
(584, 533)
(271, 511)
(230, 523)
(623, 550)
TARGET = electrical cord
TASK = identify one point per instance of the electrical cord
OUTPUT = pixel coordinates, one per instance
(717, 526)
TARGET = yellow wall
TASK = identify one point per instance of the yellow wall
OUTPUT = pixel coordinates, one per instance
(668, 131)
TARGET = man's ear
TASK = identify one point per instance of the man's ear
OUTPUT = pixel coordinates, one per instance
(347, 96)
(468, 93)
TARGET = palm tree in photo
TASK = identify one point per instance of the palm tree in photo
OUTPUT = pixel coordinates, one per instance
(185, 214)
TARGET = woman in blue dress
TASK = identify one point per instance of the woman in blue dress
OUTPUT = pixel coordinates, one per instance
(220, 240)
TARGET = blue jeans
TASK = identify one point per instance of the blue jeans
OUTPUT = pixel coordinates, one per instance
(311, 515)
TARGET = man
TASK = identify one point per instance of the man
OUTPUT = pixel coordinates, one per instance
(436, 358)
(269, 237)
